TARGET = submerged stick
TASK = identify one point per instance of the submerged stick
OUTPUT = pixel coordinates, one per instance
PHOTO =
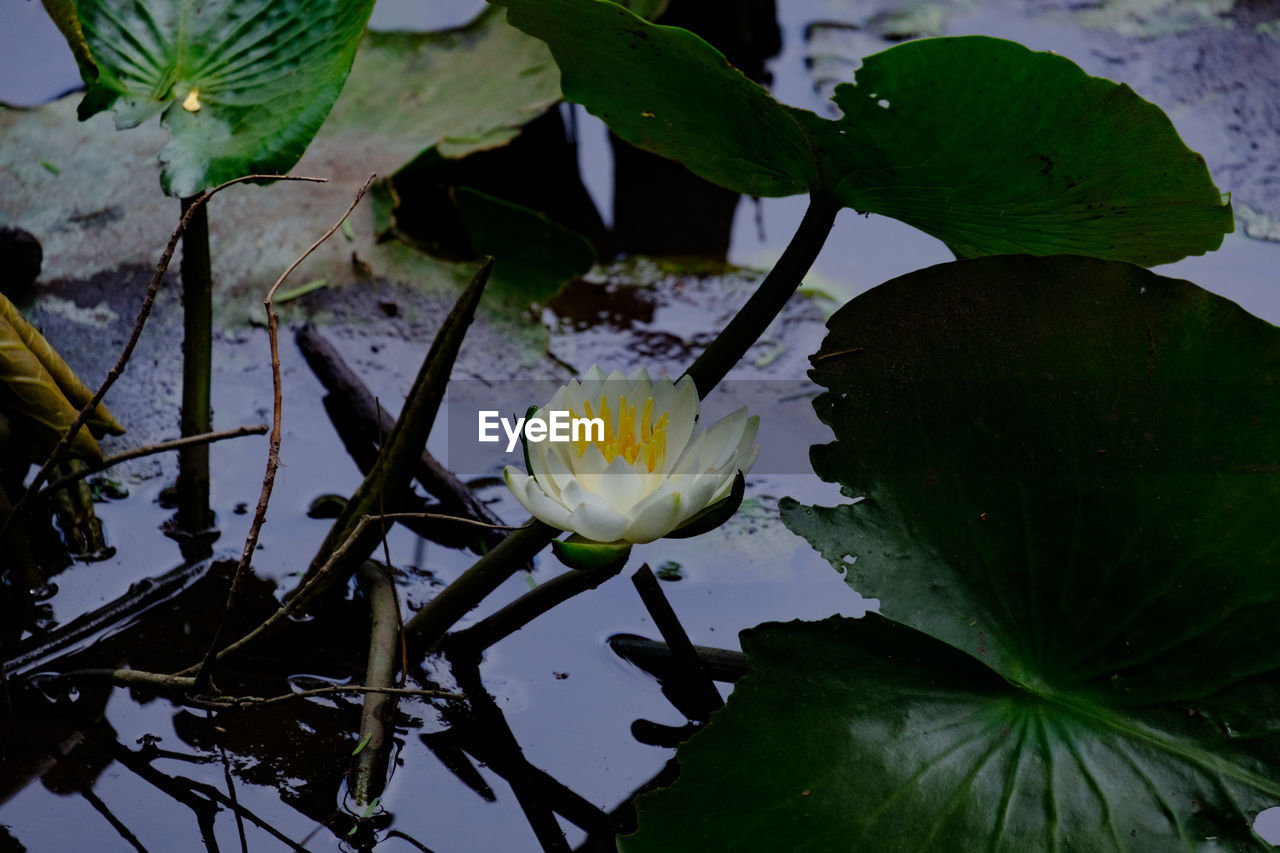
(701, 689)
(369, 769)
(183, 689)
(657, 659)
(391, 473)
(362, 408)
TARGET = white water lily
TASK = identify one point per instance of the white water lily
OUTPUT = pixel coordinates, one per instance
(649, 474)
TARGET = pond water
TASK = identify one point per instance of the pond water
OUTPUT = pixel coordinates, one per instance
(126, 770)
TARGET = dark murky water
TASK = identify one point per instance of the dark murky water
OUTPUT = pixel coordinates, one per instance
(124, 770)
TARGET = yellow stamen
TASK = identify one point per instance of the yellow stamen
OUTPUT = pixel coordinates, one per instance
(630, 439)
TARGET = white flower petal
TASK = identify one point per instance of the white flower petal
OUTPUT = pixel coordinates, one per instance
(622, 501)
(722, 440)
(682, 419)
(658, 516)
(596, 523)
(621, 485)
(699, 493)
(535, 500)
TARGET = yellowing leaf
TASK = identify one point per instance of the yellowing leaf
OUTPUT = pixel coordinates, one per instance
(40, 392)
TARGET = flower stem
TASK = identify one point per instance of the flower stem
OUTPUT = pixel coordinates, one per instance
(438, 615)
(194, 515)
(429, 625)
(767, 302)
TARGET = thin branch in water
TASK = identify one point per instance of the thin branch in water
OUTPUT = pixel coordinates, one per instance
(273, 453)
(143, 313)
(85, 790)
(292, 605)
(247, 702)
(150, 450)
(180, 689)
(231, 790)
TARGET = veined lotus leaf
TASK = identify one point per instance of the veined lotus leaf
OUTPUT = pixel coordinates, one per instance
(988, 146)
(242, 87)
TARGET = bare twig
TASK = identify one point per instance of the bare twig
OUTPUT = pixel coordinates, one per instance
(292, 605)
(150, 450)
(273, 453)
(143, 313)
(244, 702)
(180, 688)
(391, 471)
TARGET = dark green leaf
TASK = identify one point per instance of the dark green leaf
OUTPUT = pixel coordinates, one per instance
(665, 90)
(533, 256)
(994, 148)
(867, 735)
(980, 142)
(241, 86)
(1067, 470)
(460, 91)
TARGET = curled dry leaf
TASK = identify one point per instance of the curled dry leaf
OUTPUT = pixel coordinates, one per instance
(40, 393)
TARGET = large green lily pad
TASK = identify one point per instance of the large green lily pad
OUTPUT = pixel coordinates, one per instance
(241, 87)
(91, 216)
(866, 735)
(989, 146)
(459, 90)
(1066, 473)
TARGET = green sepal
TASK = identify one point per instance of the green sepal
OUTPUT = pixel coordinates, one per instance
(715, 514)
(585, 555)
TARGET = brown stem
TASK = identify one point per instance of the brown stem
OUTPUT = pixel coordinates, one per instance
(149, 450)
(378, 711)
(273, 452)
(144, 311)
